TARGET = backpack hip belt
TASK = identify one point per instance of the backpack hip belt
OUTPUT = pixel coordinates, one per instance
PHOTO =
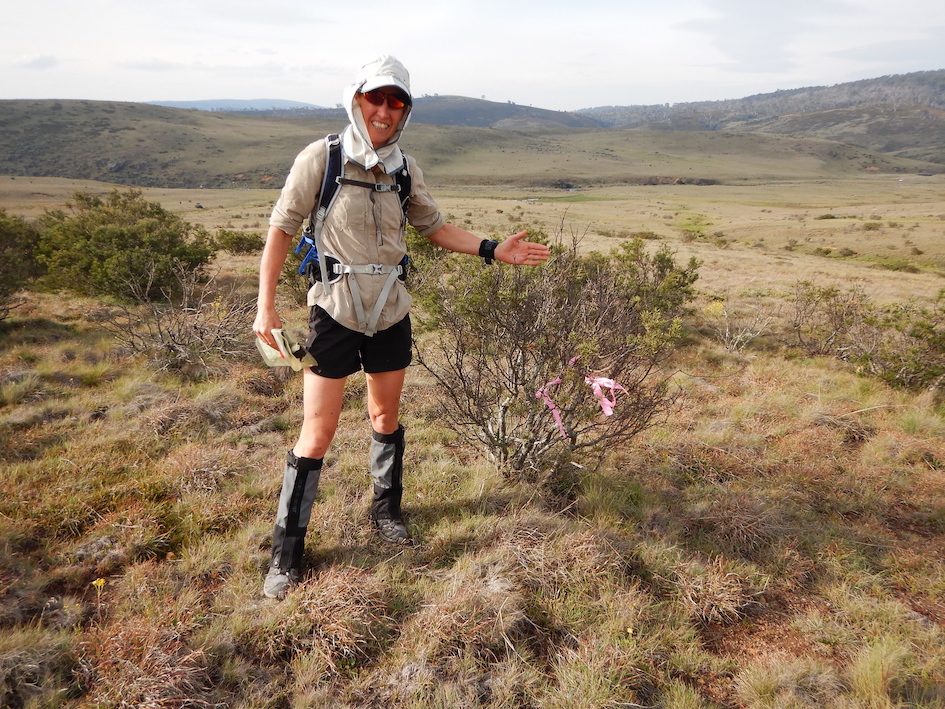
(393, 273)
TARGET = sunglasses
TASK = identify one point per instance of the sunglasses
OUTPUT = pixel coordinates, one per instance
(377, 97)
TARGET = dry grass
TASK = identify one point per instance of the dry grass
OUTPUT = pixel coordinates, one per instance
(140, 665)
(777, 541)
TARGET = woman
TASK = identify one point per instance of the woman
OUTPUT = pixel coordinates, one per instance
(363, 233)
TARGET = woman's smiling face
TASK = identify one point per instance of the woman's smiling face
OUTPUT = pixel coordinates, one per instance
(381, 121)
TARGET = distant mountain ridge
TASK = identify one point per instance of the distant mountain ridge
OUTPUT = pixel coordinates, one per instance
(902, 114)
(237, 105)
(900, 91)
(471, 112)
(925, 89)
(434, 110)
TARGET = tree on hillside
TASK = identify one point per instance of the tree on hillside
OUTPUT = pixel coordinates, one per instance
(121, 245)
(18, 265)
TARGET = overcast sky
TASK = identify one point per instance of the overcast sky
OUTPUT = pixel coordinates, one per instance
(558, 54)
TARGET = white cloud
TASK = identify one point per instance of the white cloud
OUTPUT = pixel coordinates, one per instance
(41, 62)
(757, 37)
(923, 51)
(152, 65)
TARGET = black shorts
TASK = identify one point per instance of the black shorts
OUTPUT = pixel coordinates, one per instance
(340, 351)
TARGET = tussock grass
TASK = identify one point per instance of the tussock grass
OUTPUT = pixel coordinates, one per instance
(333, 624)
(140, 664)
(38, 667)
(797, 684)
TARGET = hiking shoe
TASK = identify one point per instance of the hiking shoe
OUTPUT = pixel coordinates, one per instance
(393, 531)
(279, 581)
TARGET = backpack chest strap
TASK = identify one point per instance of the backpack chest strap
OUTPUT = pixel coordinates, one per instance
(374, 186)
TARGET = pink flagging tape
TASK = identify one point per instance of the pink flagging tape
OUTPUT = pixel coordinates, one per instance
(598, 385)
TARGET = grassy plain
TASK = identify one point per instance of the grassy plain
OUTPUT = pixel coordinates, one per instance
(779, 541)
(763, 234)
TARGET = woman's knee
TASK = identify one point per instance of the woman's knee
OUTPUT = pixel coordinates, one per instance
(312, 443)
(384, 391)
(385, 422)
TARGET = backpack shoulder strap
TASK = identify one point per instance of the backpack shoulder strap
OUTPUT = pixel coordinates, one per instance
(331, 183)
(404, 184)
(333, 171)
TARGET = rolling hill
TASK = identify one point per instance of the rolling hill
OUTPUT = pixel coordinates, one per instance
(895, 124)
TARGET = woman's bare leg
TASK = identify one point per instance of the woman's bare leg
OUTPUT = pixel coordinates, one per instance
(384, 391)
(322, 400)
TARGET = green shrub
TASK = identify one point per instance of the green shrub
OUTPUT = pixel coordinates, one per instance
(193, 333)
(18, 264)
(511, 348)
(120, 245)
(238, 242)
(823, 317)
(903, 344)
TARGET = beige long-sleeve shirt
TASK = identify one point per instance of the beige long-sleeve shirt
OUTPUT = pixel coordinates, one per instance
(362, 227)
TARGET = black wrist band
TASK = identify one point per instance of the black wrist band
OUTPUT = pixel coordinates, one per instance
(487, 250)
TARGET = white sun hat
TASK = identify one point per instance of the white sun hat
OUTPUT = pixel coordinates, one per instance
(383, 71)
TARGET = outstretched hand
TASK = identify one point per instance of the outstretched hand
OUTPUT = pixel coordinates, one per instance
(518, 252)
